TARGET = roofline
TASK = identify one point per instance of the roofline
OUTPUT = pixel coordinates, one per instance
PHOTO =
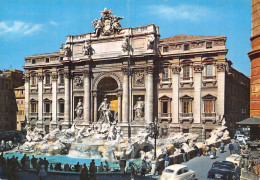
(45, 54)
(188, 40)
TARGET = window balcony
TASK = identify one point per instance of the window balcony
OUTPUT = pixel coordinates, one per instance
(186, 116)
(33, 114)
(60, 114)
(46, 114)
(166, 81)
(186, 80)
(209, 79)
(165, 116)
(208, 117)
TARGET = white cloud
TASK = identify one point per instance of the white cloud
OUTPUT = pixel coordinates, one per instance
(19, 27)
(53, 23)
(33, 29)
(180, 12)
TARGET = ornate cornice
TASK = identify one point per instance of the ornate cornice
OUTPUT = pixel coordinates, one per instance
(54, 76)
(27, 78)
(66, 74)
(221, 66)
(125, 70)
(86, 73)
(150, 69)
(176, 69)
(40, 77)
(198, 68)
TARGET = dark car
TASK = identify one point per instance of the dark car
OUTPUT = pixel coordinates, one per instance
(223, 170)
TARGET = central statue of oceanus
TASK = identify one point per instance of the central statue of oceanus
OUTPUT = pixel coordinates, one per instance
(105, 112)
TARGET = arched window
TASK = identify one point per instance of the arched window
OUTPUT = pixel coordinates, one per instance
(47, 106)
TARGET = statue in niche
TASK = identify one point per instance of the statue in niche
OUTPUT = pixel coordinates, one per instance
(79, 110)
(138, 108)
(150, 42)
(87, 49)
(105, 112)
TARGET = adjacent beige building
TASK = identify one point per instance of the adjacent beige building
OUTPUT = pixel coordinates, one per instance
(9, 79)
(181, 79)
(20, 113)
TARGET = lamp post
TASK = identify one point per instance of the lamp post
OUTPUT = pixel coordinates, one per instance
(155, 133)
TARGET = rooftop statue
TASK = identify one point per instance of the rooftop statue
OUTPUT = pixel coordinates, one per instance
(107, 24)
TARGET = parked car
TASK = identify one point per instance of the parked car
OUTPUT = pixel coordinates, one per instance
(177, 172)
(223, 170)
(234, 158)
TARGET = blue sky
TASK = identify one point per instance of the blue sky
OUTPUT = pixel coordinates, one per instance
(30, 27)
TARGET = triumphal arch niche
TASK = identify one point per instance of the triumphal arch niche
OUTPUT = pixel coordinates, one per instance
(112, 67)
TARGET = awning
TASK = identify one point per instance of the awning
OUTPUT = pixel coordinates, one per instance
(250, 121)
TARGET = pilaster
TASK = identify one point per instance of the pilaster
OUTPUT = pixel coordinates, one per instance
(66, 122)
(149, 95)
(197, 92)
(221, 68)
(175, 93)
(40, 108)
(125, 108)
(87, 109)
(54, 78)
(27, 96)
(119, 98)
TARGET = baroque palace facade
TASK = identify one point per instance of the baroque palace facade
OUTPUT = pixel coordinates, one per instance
(181, 80)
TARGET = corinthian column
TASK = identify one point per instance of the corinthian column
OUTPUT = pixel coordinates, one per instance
(119, 97)
(95, 106)
(221, 68)
(54, 78)
(149, 95)
(27, 94)
(40, 79)
(86, 96)
(197, 92)
(175, 93)
(125, 108)
(66, 122)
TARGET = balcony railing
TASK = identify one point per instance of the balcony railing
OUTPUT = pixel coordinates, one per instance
(186, 80)
(186, 115)
(60, 114)
(209, 114)
(33, 114)
(165, 114)
(209, 77)
(208, 117)
(46, 114)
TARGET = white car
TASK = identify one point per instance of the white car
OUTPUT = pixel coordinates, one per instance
(177, 172)
(234, 158)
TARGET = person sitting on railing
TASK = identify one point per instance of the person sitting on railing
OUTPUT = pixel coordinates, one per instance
(101, 167)
(66, 167)
(84, 173)
(51, 167)
(77, 167)
(106, 166)
(92, 169)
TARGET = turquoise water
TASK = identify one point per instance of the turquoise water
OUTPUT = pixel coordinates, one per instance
(63, 159)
